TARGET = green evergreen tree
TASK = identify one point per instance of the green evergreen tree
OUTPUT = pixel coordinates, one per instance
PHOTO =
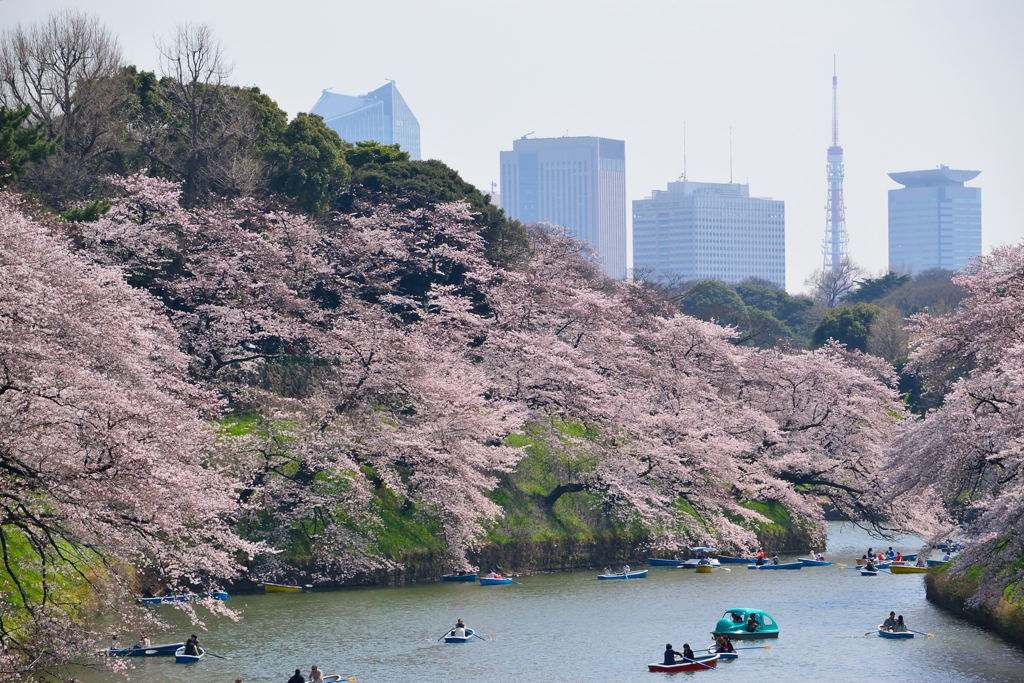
(21, 143)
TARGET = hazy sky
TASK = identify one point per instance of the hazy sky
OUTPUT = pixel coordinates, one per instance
(921, 83)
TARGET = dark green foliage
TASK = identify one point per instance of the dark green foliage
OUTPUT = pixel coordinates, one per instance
(798, 314)
(309, 163)
(871, 289)
(714, 300)
(848, 325)
(21, 143)
(932, 291)
(86, 213)
(385, 173)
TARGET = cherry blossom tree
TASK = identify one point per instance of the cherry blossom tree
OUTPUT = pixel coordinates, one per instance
(962, 463)
(106, 464)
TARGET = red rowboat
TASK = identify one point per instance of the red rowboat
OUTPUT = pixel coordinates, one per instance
(699, 663)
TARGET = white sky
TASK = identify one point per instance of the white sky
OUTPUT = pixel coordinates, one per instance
(921, 82)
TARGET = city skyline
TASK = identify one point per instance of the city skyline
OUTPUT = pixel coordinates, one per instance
(923, 83)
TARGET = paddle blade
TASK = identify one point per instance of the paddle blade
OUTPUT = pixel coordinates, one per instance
(767, 647)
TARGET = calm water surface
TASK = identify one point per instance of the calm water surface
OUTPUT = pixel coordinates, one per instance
(571, 627)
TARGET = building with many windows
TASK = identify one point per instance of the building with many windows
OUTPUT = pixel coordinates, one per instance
(934, 220)
(701, 231)
(576, 182)
(380, 115)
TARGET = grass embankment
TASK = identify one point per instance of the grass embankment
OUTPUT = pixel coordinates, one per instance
(953, 590)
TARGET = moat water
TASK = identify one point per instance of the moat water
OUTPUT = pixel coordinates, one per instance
(571, 627)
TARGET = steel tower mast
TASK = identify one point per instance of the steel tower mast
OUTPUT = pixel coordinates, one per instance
(834, 246)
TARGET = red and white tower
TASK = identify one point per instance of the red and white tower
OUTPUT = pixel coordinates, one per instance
(834, 246)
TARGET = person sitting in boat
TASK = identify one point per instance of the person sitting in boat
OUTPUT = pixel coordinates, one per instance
(775, 559)
(899, 557)
(870, 566)
(760, 558)
(946, 557)
(723, 643)
(819, 557)
(493, 575)
(625, 569)
(871, 552)
(899, 626)
(315, 675)
(889, 622)
(607, 571)
(297, 677)
(920, 561)
(192, 645)
(670, 654)
(737, 618)
(752, 623)
(688, 653)
(881, 556)
(890, 553)
(143, 641)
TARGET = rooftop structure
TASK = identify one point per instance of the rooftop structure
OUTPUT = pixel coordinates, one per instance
(380, 115)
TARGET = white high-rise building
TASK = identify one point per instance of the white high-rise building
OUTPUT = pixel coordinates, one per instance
(576, 182)
(703, 231)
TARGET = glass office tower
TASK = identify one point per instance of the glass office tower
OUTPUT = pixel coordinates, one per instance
(380, 115)
(701, 231)
(576, 182)
(934, 220)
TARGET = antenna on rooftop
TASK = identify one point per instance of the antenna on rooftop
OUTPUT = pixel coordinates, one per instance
(683, 177)
(526, 135)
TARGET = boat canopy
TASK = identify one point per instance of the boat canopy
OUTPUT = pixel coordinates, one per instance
(703, 549)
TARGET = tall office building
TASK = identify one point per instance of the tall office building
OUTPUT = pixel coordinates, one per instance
(578, 183)
(934, 220)
(699, 231)
(380, 115)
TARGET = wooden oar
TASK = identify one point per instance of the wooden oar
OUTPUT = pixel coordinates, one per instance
(699, 663)
(476, 635)
(214, 654)
(752, 647)
(927, 635)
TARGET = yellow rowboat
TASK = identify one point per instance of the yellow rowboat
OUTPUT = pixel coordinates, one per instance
(281, 588)
(902, 569)
(703, 569)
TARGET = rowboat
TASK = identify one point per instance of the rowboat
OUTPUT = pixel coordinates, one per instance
(895, 635)
(183, 597)
(484, 581)
(910, 558)
(907, 569)
(635, 574)
(181, 658)
(724, 655)
(868, 572)
(459, 577)
(788, 565)
(661, 562)
(725, 559)
(703, 569)
(152, 651)
(734, 624)
(936, 563)
(813, 563)
(698, 663)
(281, 588)
(459, 639)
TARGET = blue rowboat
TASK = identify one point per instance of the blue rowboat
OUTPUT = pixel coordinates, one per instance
(865, 572)
(185, 597)
(660, 562)
(636, 574)
(725, 559)
(895, 635)
(910, 558)
(459, 577)
(813, 563)
(723, 655)
(459, 639)
(181, 658)
(484, 581)
(936, 563)
(152, 651)
(788, 565)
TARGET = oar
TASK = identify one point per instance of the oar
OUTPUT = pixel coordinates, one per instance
(480, 637)
(752, 647)
(214, 654)
(445, 635)
(687, 659)
(928, 635)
